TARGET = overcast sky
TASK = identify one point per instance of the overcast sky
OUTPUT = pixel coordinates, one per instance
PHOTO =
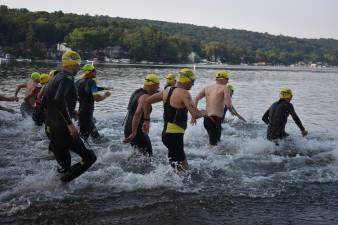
(299, 18)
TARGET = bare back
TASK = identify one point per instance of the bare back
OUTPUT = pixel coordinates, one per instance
(216, 95)
(176, 99)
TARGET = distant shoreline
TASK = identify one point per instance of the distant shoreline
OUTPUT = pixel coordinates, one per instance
(202, 66)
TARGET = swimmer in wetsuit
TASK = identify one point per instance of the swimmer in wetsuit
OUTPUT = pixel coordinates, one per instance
(276, 117)
(60, 100)
(177, 102)
(133, 132)
(87, 90)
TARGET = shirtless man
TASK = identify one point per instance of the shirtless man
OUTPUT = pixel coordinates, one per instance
(177, 102)
(217, 95)
(32, 90)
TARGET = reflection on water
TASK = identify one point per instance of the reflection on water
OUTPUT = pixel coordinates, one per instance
(245, 180)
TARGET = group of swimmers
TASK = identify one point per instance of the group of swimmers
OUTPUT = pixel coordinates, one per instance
(52, 98)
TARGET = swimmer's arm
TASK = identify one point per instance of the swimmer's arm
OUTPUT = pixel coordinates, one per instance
(199, 96)
(97, 97)
(265, 117)
(190, 105)
(6, 109)
(296, 118)
(237, 114)
(228, 102)
(94, 89)
(18, 88)
(136, 119)
(157, 97)
(8, 99)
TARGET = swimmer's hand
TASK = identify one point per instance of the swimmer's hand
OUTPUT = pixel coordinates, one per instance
(72, 130)
(304, 133)
(146, 126)
(11, 111)
(107, 94)
(130, 138)
(193, 121)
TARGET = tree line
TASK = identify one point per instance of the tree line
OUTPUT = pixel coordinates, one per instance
(35, 35)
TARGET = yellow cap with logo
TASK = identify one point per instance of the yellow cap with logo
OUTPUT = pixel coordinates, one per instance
(44, 78)
(185, 75)
(170, 77)
(222, 75)
(151, 78)
(70, 58)
(285, 93)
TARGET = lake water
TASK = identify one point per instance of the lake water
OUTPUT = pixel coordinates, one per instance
(242, 181)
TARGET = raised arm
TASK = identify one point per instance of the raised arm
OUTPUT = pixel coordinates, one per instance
(18, 88)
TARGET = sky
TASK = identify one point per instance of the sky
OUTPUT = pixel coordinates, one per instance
(296, 18)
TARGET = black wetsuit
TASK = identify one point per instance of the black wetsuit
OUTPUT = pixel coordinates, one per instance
(141, 140)
(276, 118)
(86, 87)
(168, 85)
(213, 125)
(174, 141)
(60, 101)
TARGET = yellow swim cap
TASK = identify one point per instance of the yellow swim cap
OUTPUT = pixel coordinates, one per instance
(285, 93)
(222, 75)
(185, 75)
(70, 58)
(151, 78)
(52, 73)
(44, 78)
(170, 77)
(35, 76)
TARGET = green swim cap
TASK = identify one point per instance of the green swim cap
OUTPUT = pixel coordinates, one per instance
(35, 76)
(88, 67)
(231, 87)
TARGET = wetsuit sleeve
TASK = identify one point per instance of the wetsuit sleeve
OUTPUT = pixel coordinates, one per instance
(100, 88)
(60, 100)
(93, 88)
(296, 118)
(265, 117)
